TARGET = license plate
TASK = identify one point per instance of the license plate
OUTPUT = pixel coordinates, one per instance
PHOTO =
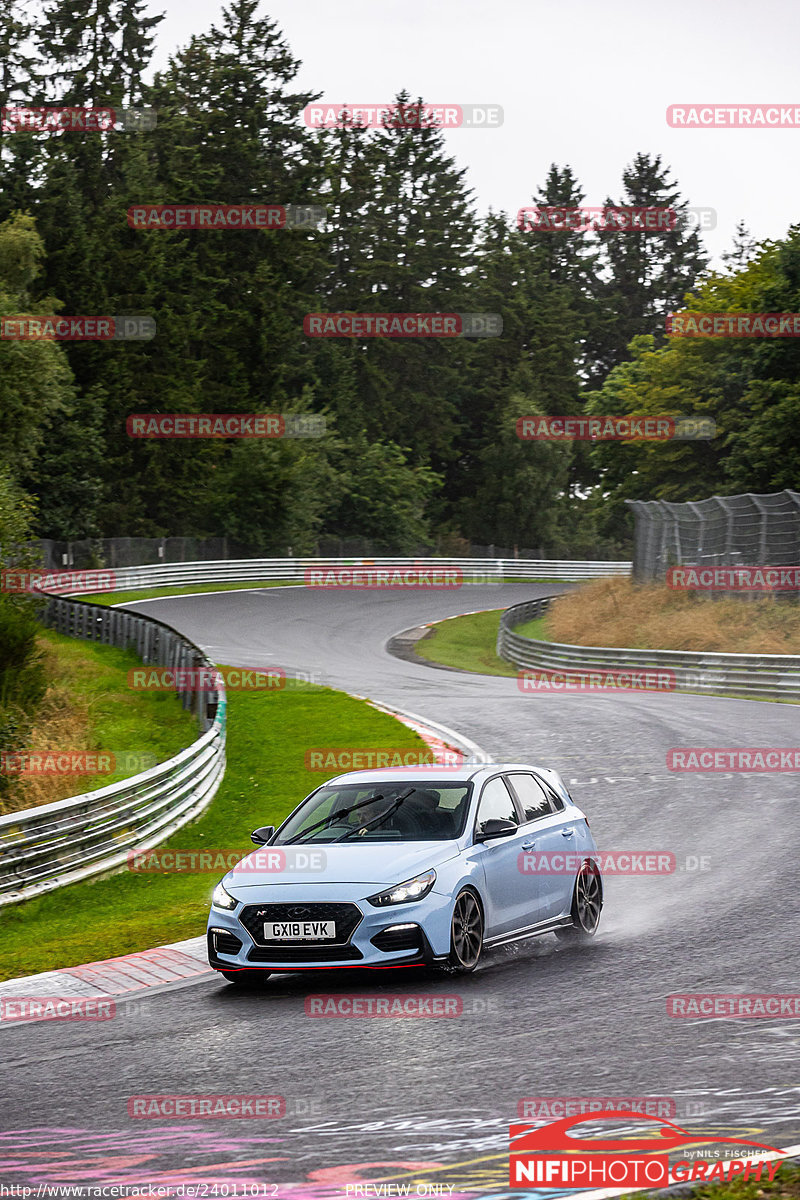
(298, 931)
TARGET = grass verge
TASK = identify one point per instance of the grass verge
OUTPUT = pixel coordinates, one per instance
(535, 629)
(617, 612)
(268, 736)
(107, 599)
(193, 589)
(88, 706)
(466, 642)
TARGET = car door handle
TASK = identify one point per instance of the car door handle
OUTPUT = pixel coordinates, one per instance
(568, 832)
(528, 845)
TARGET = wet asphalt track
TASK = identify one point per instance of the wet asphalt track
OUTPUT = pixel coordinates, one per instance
(430, 1100)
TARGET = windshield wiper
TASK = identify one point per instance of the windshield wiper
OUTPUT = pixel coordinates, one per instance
(376, 821)
(331, 818)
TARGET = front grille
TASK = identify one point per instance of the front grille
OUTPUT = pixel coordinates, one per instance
(346, 916)
(222, 942)
(310, 952)
(398, 939)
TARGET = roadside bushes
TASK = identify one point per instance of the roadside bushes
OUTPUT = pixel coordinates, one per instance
(22, 679)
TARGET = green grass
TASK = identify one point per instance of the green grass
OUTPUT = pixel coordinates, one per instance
(121, 718)
(466, 642)
(534, 629)
(95, 678)
(192, 589)
(268, 735)
(189, 589)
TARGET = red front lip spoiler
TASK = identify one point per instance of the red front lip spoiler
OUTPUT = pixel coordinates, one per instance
(324, 967)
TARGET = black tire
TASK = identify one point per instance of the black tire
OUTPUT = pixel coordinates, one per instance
(466, 934)
(587, 904)
(248, 979)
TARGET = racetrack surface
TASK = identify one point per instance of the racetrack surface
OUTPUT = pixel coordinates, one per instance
(430, 1099)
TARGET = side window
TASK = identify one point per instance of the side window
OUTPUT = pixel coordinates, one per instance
(496, 803)
(535, 800)
(556, 801)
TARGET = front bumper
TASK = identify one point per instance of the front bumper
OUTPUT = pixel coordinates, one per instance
(413, 934)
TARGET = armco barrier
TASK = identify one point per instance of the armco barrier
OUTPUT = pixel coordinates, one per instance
(293, 570)
(773, 676)
(46, 847)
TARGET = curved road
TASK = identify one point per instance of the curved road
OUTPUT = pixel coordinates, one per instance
(430, 1100)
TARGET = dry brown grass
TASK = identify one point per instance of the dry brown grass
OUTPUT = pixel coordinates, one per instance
(62, 719)
(88, 706)
(616, 612)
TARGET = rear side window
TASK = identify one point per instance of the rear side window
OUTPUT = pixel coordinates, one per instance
(535, 799)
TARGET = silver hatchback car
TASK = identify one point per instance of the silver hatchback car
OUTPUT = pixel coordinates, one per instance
(421, 865)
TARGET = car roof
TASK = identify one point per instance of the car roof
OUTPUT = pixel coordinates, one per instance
(464, 773)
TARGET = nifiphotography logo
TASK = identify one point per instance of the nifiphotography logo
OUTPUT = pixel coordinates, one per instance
(548, 1157)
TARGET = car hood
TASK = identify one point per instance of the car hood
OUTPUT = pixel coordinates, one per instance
(381, 863)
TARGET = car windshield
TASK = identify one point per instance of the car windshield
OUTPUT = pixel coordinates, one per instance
(380, 812)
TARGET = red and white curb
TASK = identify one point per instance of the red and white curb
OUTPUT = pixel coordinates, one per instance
(442, 740)
(110, 979)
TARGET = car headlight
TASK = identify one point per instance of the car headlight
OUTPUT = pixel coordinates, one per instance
(222, 899)
(401, 893)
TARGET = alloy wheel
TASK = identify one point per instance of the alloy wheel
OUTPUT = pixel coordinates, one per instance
(466, 939)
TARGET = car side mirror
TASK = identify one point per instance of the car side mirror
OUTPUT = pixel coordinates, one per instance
(261, 836)
(495, 827)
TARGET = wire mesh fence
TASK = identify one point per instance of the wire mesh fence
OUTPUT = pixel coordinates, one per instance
(729, 531)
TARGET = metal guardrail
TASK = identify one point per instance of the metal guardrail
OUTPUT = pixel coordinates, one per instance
(293, 570)
(772, 676)
(56, 844)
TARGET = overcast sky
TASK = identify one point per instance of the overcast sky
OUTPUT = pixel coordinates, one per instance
(583, 82)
